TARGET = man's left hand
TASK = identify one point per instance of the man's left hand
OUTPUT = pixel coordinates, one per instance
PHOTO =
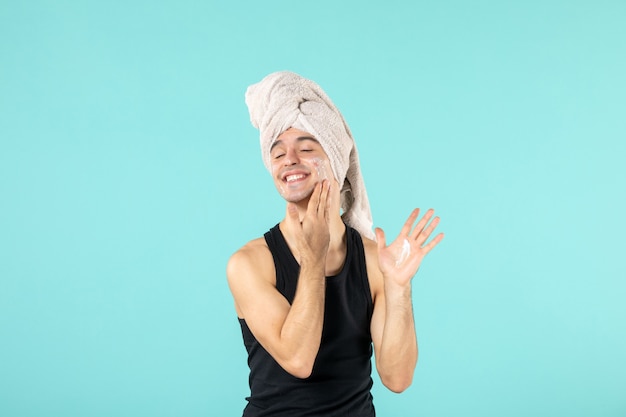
(402, 258)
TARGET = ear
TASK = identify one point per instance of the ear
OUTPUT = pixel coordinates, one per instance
(346, 197)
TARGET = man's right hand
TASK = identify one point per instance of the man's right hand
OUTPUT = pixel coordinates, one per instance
(313, 235)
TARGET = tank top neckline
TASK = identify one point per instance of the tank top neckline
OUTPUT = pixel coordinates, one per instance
(292, 259)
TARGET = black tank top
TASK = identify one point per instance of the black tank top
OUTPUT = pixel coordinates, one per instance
(340, 383)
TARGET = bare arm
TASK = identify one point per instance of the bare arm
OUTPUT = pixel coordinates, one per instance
(393, 328)
(290, 333)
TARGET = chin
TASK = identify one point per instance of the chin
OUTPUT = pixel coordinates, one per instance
(295, 196)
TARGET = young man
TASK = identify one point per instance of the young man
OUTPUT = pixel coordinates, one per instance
(316, 292)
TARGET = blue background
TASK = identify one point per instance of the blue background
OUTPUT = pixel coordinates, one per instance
(129, 172)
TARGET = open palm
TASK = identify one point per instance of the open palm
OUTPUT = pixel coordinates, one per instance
(401, 259)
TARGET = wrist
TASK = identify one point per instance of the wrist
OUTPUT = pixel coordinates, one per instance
(395, 289)
(313, 263)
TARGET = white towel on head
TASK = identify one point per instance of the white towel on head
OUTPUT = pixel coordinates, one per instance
(283, 100)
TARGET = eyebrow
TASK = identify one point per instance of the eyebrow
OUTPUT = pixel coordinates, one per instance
(299, 139)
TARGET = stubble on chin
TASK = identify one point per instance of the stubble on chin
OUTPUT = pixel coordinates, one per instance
(296, 197)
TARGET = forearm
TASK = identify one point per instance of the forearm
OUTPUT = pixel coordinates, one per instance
(398, 353)
(301, 332)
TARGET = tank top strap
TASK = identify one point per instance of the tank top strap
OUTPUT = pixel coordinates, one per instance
(359, 265)
(287, 268)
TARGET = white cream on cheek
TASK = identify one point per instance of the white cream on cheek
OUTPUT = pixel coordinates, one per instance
(322, 168)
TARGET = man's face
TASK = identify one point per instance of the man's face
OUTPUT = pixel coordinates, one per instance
(298, 163)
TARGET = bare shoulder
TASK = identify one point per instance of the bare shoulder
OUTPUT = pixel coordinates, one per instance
(253, 260)
(251, 276)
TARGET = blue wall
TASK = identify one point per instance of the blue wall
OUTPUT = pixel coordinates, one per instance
(129, 173)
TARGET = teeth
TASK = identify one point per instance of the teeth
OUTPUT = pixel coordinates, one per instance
(290, 178)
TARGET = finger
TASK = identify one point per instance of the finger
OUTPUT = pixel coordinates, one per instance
(380, 238)
(406, 229)
(433, 243)
(329, 199)
(292, 214)
(323, 203)
(420, 225)
(314, 201)
(423, 237)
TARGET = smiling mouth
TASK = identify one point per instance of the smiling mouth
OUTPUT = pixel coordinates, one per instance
(294, 178)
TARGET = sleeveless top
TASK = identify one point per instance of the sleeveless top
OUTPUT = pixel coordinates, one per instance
(340, 383)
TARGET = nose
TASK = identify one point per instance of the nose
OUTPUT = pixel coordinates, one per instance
(291, 157)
